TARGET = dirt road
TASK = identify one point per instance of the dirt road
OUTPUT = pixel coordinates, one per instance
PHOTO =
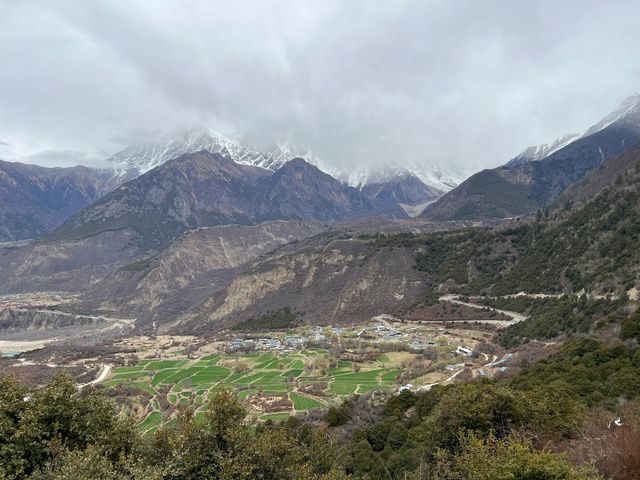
(101, 376)
(515, 316)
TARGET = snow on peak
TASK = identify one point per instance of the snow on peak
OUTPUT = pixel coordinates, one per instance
(367, 175)
(629, 110)
(535, 153)
(140, 158)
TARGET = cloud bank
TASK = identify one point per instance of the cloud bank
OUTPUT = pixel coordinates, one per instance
(462, 85)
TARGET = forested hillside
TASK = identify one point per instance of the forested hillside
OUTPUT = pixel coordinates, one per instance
(593, 248)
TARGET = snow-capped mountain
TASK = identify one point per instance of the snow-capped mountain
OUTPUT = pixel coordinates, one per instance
(138, 159)
(535, 153)
(628, 112)
(363, 176)
(517, 189)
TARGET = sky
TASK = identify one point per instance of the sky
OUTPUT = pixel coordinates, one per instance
(459, 85)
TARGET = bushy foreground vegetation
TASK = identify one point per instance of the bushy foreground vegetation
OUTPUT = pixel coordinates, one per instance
(489, 430)
(59, 433)
(474, 430)
(588, 371)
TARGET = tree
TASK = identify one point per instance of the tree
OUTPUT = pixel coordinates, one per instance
(37, 426)
(631, 327)
(502, 459)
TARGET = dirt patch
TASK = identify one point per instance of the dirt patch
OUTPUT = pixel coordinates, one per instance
(39, 375)
(270, 403)
(316, 389)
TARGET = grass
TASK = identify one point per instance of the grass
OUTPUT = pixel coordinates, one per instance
(161, 364)
(276, 417)
(163, 375)
(129, 375)
(301, 402)
(137, 368)
(342, 388)
(151, 421)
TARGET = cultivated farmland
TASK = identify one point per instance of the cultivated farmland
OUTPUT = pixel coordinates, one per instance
(273, 385)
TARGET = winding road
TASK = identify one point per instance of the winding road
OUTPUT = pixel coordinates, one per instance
(103, 374)
(427, 387)
(515, 316)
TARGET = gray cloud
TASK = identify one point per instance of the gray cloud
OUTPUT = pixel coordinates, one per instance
(465, 84)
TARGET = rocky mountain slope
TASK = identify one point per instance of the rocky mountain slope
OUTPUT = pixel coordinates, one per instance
(301, 190)
(329, 279)
(404, 189)
(195, 190)
(603, 176)
(520, 188)
(34, 200)
(113, 269)
(204, 189)
(176, 279)
(66, 265)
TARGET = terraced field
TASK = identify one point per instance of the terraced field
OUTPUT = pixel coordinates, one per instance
(274, 386)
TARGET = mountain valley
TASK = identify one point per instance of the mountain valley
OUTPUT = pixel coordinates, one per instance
(318, 302)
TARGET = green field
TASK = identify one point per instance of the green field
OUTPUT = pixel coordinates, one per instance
(256, 377)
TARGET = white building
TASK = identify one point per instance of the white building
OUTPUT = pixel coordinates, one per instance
(467, 352)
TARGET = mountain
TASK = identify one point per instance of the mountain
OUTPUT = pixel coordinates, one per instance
(209, 278)
(521, 188)
(330, 279)
(535, 153)
(610, 171)
(34, 200)
(434, 178)
(38, 200)
(140, 158)
(302, 191)
(194, 190)
(405, 190)
(207, 189)
(592, 247)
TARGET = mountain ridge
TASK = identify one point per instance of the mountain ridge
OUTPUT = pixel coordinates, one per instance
(35, 199)
(205, 189)
(520, 189)
(137, 159)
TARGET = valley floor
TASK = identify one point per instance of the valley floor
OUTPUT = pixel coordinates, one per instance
(283, 373)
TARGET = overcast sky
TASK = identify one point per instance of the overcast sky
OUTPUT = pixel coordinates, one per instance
(462, 84)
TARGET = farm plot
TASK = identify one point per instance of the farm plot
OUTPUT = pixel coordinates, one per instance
(302, 402)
